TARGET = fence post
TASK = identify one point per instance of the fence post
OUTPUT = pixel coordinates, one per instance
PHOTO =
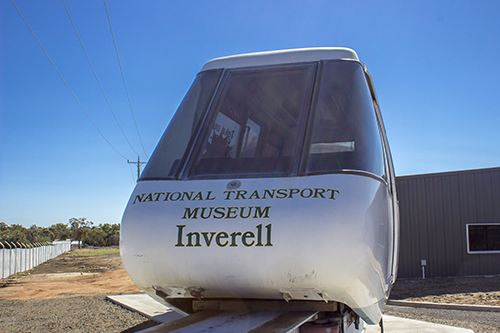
(15, 253)
(24, 261)
(30, 251)
(14, 256)
(7, 265)
(39, 254)
(2, 260)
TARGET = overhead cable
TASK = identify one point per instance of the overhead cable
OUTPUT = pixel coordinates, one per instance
(99, 82)
(62, 78)
(125, 83)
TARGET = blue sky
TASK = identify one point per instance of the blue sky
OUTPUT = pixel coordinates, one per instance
(434, 65)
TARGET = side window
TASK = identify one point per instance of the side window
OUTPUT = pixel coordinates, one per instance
(256, 123)
(344, 134)
(165, 162)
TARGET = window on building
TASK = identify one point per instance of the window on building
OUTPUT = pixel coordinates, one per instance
(483, 238)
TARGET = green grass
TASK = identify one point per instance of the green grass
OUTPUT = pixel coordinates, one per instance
(95, 252)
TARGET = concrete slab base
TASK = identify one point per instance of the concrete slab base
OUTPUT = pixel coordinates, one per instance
(403, 325)
(145, 305)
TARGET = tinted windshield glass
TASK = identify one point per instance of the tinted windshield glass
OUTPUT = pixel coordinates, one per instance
(255, 126)
(344, 135)
(168, 157)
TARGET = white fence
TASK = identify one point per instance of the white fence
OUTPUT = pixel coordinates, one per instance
(19, 257)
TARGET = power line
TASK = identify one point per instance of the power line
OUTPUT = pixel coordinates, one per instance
(123, 77)
(99, 82)
(62, 78)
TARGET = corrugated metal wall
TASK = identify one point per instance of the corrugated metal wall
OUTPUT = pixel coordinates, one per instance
(434, 210)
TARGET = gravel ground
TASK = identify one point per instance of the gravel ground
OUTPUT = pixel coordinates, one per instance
(76, 314)
(478, 321)
(39, 301)
(96, 314)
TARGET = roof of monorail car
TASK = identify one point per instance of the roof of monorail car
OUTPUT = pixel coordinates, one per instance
(281, 57)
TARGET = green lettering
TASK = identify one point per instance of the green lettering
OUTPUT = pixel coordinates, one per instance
(261, 213)
(209, 196)
(177, 194)
(246, 236)
(268, 227)
(158, 194)
(190, 214)
(138, 197)
(220, 211)
(190, 238)
(179, 234)
(242, 210)
(306, 196)
(202, 215)
(293, 191)
(255, 195)
(319, 191)
(241, 193)
(208, 240)
(198, 196)
(332, 193)
(259, 235)
(232, 212)
(149, 197)
(271, 194)
(221, 235)
(233, 238)
(228, 194)
(189, 195)
(281, 193)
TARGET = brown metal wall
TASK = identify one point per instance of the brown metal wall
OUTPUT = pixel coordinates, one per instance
(434, 210)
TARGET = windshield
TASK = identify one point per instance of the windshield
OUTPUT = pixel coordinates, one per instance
(265, 123)
(256, 124)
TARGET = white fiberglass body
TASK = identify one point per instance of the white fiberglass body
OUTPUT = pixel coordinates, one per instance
(267, 196)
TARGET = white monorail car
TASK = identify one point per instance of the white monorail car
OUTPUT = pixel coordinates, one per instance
(273, 181)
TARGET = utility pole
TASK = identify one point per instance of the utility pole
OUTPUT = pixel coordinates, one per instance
(138, 165)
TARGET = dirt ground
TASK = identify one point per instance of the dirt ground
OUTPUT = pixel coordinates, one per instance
(479, 290)
(99, 271)
(84, 272)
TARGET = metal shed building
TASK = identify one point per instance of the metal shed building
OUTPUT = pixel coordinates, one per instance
(452, 221)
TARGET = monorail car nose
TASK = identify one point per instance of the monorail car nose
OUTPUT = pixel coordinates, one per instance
(272, 183)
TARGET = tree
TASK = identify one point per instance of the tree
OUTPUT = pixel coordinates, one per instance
(60, 231)
(38, 234)
(15, 233)
(80, 228)
(96, 237)
(112, 233)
